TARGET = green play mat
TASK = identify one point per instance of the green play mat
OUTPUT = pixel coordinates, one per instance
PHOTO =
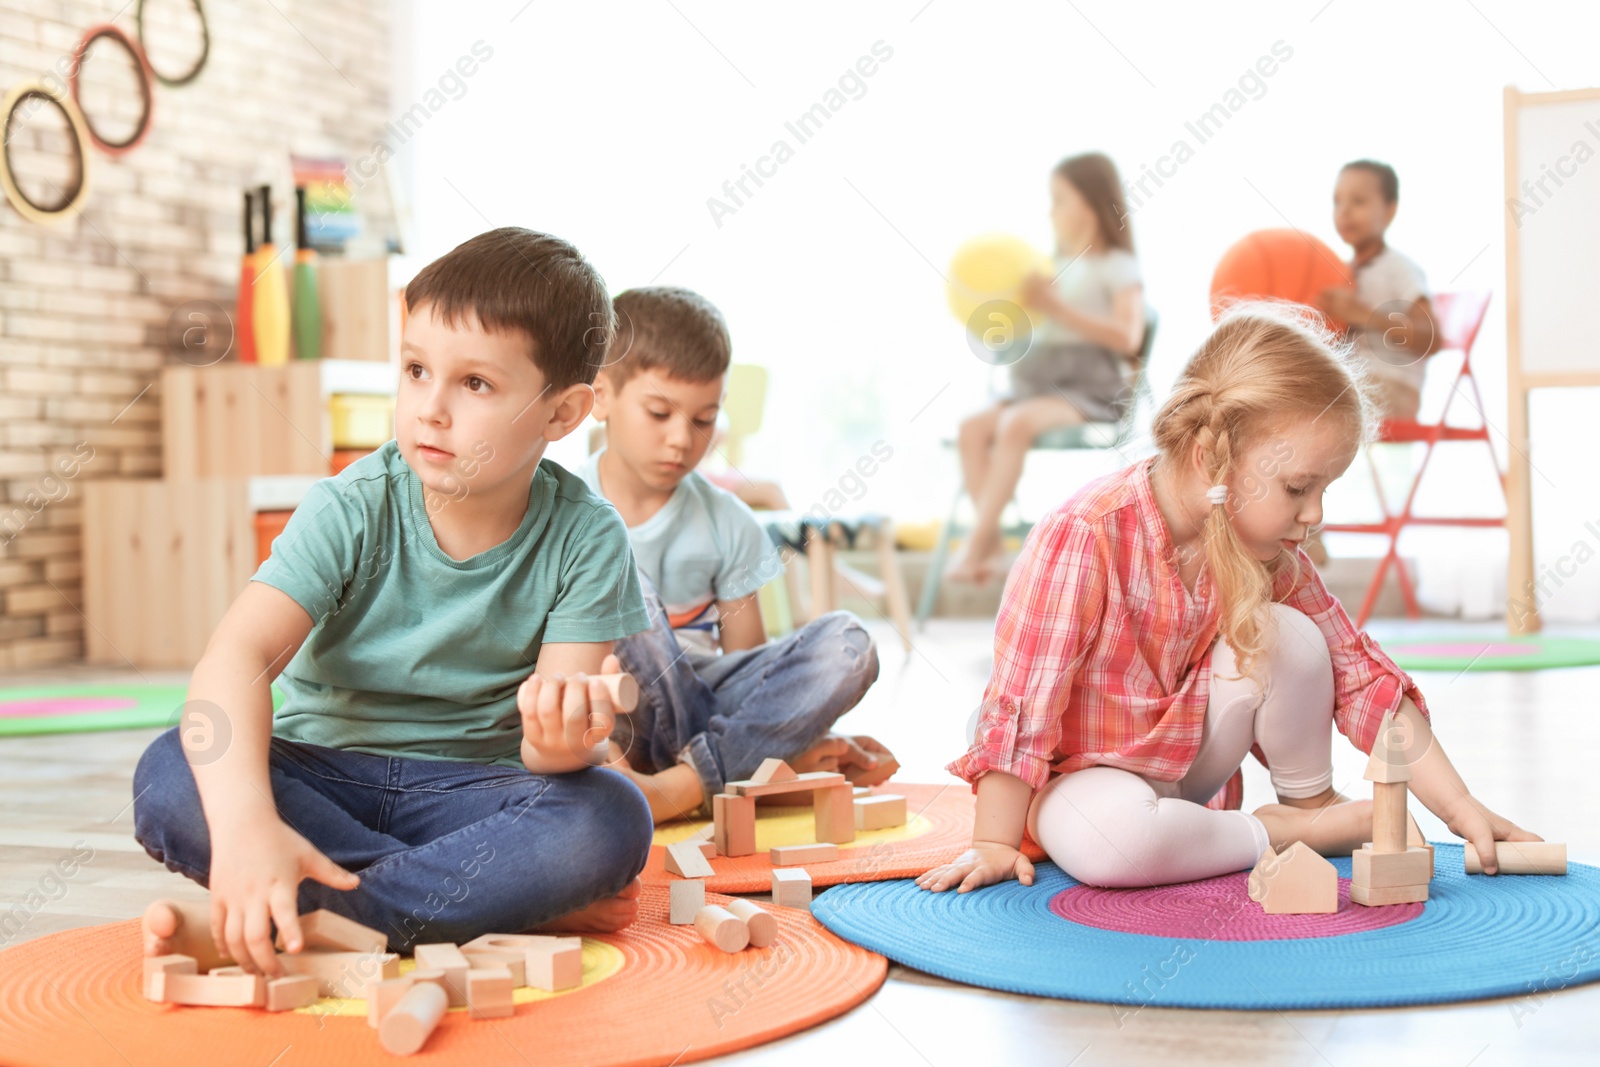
(68, 709)
(1493, 653)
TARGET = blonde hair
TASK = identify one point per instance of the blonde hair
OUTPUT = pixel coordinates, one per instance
(1263, 365)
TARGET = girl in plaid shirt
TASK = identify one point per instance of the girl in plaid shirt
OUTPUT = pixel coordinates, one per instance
(1163, 622)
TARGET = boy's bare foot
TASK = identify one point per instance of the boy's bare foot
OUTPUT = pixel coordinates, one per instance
(1331, 830)
(183, 927)
(602, 917)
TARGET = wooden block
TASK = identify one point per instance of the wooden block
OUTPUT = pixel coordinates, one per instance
(484, 959)
(534, 948)
(447, 957)
(383, 994)
(326, 929)
(556, 966)
(489, 993)
(1375, 896)
(791, 889)
(509, 942)
(792, 855)
(341, 974)
(863, 791)
(295, 991)
(722, 928)
(708, 849)
(773, 770)
(762, 924)
(880, 812)
(624, 690)
(214, 990)
(685, 858)
(1520, 857)
(735, 820)
(801, 783)
(834, 811)
(688, 897)
(1388, 817)
(1414, 839)
(1295, 881)
(175, 963)
(407, 1025)
(1376, 870)
(428, 974)
(1389, 762)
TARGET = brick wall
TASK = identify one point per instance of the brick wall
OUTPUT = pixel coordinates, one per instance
(84, 306)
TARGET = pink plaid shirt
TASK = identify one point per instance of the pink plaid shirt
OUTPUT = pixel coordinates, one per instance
(1101, 656)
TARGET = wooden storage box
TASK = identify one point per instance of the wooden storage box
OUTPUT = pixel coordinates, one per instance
(163, 560)
(237, 420)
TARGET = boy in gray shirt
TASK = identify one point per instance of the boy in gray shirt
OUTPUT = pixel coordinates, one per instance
(716, 698)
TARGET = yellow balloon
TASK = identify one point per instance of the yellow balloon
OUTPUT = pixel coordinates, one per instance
(989, 268)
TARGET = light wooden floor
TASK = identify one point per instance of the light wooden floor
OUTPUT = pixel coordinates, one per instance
(1525, 743)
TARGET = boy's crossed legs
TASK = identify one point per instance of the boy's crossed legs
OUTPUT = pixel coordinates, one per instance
(704, 721)
(445, 850)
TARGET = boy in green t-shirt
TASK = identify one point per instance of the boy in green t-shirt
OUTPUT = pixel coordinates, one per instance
(434, 617)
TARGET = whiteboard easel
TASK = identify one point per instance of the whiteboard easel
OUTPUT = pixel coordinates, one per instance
(1552, 280)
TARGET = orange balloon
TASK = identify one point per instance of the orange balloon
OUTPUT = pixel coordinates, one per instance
(1284, 265)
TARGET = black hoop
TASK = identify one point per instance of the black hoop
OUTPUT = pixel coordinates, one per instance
(205, 47)
(74, 195)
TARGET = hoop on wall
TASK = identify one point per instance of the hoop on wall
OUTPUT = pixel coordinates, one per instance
(205, 47)
(72, 199)
(136, 53)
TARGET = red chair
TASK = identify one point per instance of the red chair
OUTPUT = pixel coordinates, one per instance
(1458, 317)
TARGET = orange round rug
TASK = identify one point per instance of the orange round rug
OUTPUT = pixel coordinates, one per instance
(938, 829)
(652, 994)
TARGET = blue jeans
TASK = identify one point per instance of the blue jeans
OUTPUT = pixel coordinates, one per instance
(446, 850)
(725, 714)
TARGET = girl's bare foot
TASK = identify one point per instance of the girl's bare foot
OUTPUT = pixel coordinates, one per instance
(183, 927)
(1332, 830)
(602, 917)
(973, 569)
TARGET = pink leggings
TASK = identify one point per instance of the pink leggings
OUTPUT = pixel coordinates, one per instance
(1109, 827)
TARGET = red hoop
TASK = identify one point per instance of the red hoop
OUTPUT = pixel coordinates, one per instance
(94, 33)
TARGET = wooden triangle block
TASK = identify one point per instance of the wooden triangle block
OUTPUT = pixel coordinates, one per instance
(686, 860)
(1388, 762)
(773, 770)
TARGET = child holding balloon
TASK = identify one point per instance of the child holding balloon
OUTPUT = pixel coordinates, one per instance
(1079, 362)
(1164, 622)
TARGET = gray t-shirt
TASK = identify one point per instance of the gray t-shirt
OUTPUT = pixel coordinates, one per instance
(1088, 283)
(1389, 281)
(704, 545)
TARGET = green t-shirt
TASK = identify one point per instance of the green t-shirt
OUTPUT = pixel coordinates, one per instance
(412, 653)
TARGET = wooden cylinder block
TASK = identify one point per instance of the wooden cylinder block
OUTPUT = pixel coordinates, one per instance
(407, 1025)
(722, 928)
(763, 925)
(1388, 817)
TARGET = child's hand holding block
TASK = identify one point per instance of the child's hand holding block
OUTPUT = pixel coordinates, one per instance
(567, 719)
(1519, 857)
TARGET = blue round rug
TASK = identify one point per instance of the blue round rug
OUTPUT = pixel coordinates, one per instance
(1477, 936)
